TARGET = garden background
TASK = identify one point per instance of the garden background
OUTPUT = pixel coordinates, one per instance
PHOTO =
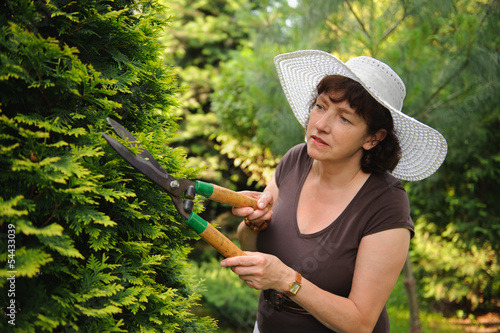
(100, 248)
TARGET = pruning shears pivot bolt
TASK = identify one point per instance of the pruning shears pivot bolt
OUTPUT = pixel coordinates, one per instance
(174, 184)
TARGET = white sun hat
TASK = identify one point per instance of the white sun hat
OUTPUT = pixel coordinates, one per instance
(423, 149)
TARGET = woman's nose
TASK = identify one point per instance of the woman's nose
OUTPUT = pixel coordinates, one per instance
(323, 123)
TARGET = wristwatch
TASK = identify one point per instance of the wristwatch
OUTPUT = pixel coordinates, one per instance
(294, 287)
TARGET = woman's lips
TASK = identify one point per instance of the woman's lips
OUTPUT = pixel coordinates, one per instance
(318, 140)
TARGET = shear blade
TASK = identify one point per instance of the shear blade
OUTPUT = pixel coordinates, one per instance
(127, 136)
(142, 165)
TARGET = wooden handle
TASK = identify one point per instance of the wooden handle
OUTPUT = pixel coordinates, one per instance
(235, 199)
(214, 237)
(220, 242)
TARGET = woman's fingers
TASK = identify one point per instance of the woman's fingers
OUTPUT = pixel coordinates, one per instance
(243, 211)
(247, 260)
(264, 206)
(256, 219)
(265, 200)
(260, 271)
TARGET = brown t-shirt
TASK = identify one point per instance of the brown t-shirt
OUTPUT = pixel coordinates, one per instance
(326, 258)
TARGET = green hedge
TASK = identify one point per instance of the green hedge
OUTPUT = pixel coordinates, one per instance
(97, 247)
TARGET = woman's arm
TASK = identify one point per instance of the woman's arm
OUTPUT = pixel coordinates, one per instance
(380, 258)
(247, 236)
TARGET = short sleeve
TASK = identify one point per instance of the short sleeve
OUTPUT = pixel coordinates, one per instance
(390, 211)
(289, 161)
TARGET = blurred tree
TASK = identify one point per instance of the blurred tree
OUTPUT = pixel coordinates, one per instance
(453, 76)
(256, 126)
(202, 35)
(97, 247)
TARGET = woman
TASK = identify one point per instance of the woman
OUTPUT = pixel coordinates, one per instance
(341, 222)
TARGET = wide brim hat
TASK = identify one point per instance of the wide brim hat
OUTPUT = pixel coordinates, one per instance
(423, 148)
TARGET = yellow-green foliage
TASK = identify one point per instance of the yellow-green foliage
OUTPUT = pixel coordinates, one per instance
(450, 268)
(94, 246)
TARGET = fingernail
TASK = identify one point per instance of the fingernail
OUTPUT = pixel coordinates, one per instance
(223, 263)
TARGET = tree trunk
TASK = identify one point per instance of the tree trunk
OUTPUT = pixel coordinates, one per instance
(411, 294)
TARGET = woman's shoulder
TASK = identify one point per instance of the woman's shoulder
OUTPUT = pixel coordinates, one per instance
(386, 191)
(296, 152)
(294, 155)
(293, 161)
(387, 181)
(387, 203)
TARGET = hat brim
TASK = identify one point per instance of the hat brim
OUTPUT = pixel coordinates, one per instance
(423, 148)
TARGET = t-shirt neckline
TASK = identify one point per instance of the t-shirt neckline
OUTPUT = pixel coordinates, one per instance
(333, 223)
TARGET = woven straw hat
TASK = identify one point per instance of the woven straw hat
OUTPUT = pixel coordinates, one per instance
(423, 148)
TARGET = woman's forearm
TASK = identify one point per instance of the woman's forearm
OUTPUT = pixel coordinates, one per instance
(247, 238)
(337, 313)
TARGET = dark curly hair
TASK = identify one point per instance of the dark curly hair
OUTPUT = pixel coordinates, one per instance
(386, 154)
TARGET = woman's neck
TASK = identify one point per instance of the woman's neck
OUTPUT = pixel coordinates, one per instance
(336, 177)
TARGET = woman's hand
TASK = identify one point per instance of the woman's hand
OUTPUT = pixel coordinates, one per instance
(257, 219)
(261, 271)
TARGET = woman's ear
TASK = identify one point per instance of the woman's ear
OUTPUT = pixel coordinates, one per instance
(374, 139)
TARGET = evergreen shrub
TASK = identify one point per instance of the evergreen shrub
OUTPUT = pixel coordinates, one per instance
(94, 245)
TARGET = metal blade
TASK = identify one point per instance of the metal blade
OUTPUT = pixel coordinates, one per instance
(174, 187)
(139, 163)
(127, 136)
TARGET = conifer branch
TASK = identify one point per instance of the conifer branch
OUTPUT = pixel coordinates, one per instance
(462, 67)
(51, 215)
(357, 19)
(396, 24)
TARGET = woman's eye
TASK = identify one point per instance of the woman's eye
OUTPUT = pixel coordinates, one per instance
(319, 107)
(344, 120)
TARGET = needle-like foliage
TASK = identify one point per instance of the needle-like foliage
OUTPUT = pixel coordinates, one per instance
(92, 245)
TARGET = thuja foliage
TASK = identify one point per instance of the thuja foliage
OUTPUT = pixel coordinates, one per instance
(97, 247)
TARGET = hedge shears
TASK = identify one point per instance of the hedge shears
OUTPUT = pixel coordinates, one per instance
(182, 191)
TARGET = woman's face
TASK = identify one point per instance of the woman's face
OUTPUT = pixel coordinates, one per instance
(336, 133)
